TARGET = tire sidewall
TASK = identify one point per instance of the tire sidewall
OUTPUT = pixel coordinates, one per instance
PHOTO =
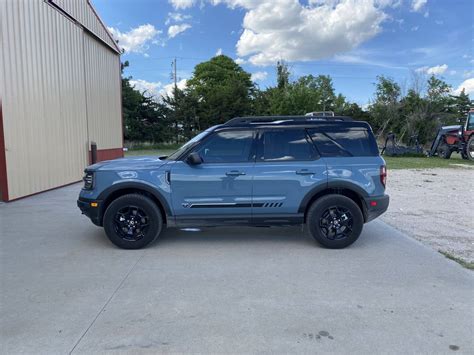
(469, 142)
(443, 151)
(322, 204)
(148, 206)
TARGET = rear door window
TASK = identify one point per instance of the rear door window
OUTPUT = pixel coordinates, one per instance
(344, 142)
(287, 145)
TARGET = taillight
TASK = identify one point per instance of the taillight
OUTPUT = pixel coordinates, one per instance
(383, 175)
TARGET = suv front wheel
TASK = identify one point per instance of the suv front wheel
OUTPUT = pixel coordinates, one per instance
(132, 221)
(335, 221)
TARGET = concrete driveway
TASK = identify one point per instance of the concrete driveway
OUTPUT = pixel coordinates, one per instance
(65, 288)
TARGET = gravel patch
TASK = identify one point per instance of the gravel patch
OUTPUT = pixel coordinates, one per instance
(435, 206)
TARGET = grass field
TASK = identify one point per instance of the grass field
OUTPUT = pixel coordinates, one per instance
(425, 163)
(392, 162)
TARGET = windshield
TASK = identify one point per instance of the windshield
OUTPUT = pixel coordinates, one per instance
(470, 121)
(186, 145)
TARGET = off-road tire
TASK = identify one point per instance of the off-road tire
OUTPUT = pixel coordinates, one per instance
(149, 207)
(469, 153)
(318, 209)
(443, 151)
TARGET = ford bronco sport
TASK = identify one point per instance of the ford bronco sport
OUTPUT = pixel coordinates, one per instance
(324, 172)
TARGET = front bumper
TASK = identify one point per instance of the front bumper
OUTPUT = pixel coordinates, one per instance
(94, 213)
(375, 206)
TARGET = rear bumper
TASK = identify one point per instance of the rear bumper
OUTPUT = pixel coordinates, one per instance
(94, 213)
(375, 206)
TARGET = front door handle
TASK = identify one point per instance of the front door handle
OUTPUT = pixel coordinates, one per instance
(234, 173)
(304, 172)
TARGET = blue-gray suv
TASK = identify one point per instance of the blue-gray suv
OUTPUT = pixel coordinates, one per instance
(324, 172)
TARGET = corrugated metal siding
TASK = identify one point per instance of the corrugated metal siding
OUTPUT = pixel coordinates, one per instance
(103, 94)
(82, 12)
(43, 93)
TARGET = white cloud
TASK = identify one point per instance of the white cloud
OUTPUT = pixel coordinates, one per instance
(415, 28)
(168, 89)
(467, 85)
(240, 61)
(175, 30)
(259, 76)
(436, 70)
(182, 4)
(219, 52)
(151, 89)
(156, 89)
(176, 17)
(295, 31)
(287, 29)
(468, 73)
(137, 39)
(417, 5)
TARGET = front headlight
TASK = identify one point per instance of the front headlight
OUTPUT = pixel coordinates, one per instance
(88, 180)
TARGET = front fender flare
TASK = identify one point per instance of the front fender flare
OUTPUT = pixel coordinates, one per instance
(137, 185)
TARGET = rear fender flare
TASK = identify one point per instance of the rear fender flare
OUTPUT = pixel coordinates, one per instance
(334, 185)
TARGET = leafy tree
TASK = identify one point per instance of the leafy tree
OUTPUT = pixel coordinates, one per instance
(144, 118)
(384, 112)
(222, 89)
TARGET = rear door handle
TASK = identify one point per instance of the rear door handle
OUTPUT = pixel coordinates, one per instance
(234, 173)
(304, 172)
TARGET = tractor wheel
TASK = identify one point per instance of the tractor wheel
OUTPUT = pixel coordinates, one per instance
(470, 148)
(444, 151)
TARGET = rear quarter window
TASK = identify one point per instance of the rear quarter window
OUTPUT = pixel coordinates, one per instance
(344, 142)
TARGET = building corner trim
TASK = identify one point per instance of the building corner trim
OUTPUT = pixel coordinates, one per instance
(3, 161)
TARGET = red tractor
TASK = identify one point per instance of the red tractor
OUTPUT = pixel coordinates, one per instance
(459, 139)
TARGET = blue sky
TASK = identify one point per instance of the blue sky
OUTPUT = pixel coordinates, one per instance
(351, 40)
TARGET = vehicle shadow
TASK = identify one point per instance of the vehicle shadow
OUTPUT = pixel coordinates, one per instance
(235, 235)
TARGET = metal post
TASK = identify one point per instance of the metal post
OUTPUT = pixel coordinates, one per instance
(93, 152)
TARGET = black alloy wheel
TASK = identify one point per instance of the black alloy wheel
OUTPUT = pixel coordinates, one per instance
(336, 222)
(132, 221)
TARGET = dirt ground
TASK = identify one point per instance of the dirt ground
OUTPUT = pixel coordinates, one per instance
(435, 206)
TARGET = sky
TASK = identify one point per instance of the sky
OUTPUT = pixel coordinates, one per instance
(353, 41)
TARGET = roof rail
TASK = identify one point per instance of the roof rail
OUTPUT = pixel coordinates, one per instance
(283, 119)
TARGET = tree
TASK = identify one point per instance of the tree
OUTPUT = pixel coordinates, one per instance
(283, 75)
(223, 90)
(182, 105)
(144, 118)
(462, 103)
(384, 112)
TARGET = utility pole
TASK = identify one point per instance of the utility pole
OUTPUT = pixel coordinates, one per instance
(174, 73)
(174, 76)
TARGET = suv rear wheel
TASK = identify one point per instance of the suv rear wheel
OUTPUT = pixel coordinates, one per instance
(335, 221)
(132, 221)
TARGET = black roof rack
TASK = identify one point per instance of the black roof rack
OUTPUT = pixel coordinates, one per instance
(284, 120)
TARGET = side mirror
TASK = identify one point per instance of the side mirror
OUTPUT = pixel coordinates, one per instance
(194, 159)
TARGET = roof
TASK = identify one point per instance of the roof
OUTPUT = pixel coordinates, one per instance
(82, 12)
(253, 121)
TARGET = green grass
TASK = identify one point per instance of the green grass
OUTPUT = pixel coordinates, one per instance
(466, 264)
(157, 152)
(425, 163)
